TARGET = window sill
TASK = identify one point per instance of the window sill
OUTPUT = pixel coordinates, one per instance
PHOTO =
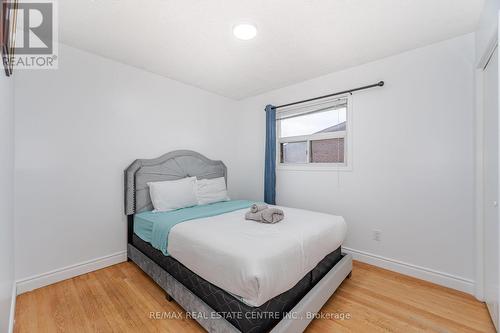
(309, 167)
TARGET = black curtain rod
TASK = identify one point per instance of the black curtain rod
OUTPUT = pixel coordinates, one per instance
(379, 84)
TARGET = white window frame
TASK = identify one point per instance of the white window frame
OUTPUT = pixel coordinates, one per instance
(308, 166)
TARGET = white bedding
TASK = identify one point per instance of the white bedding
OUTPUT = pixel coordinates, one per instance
(252, 260)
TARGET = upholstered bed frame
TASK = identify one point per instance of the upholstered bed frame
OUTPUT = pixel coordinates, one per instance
(184, 163)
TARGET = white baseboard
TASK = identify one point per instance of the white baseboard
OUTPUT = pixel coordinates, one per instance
(427, 274)
(45, 279)
(12, 313)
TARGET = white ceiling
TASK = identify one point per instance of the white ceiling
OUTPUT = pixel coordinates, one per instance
(191, 40)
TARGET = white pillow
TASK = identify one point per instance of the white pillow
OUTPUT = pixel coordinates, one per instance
(211, 190)
(176, 194)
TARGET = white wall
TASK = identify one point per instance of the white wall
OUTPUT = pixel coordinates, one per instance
(6, 198)
(413, 173)
(77, 129)
(488, 26)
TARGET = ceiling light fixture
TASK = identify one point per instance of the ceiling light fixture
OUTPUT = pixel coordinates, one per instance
(245, 31)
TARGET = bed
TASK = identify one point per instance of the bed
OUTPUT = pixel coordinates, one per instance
(230, 274)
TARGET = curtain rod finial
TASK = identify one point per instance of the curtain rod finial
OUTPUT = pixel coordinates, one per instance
(381, 83)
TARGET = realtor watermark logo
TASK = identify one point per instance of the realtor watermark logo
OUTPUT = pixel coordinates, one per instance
(35, 36)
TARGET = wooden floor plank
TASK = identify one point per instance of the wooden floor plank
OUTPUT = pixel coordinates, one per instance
(121, 298)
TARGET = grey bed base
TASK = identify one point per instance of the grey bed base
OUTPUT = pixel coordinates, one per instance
(180, 164)
(310, 304)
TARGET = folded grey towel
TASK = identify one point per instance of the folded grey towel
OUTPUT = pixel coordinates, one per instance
(254, 216)
(268, 215)
(258, 207)
(272, 215)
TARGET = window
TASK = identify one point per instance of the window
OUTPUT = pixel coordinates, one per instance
(314, 135)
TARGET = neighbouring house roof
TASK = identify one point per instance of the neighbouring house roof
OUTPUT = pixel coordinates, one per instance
(336, 128)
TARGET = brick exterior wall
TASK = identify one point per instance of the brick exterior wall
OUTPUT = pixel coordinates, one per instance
(327, 151)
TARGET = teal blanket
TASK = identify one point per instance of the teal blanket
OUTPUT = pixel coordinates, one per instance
(155, 227)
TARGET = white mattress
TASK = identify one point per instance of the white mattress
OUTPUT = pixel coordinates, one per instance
(252, 260)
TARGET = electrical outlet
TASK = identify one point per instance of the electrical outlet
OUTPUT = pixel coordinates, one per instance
(377, 235)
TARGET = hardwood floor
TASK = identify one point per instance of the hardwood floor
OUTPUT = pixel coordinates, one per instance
(120, 299)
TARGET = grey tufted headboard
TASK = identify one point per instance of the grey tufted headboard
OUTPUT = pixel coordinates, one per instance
(171, 166)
